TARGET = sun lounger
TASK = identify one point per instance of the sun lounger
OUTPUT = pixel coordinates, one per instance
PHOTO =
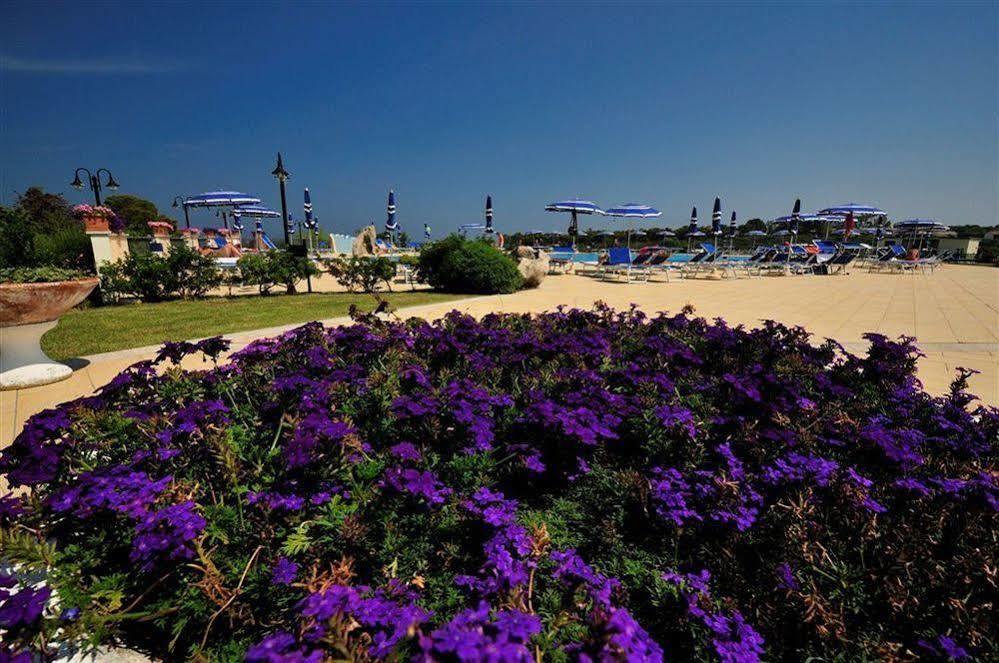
(885, 256)
(620, 261)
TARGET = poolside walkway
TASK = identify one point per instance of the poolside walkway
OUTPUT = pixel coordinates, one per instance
(953, 313)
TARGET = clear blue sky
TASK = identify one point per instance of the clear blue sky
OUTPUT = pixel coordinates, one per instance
(670, 105)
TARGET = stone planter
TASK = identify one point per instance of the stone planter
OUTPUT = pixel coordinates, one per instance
(28, 310)
(96, 224)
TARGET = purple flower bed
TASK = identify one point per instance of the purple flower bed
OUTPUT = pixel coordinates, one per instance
(579, 485)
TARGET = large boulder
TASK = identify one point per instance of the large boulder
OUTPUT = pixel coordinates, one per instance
(523, 252)
(364, 243)
(533, 269)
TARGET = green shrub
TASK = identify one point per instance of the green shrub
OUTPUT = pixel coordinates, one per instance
(265, 270)
(988, 252)
(151, 277)
(288, 269)
(361, 273)
(196, 274)
(455, 264)
(17, 246)
(254, 270)
(44, 274)
(115, 284)
(65, 247)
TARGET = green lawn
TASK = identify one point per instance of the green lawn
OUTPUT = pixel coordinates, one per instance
(89, 331)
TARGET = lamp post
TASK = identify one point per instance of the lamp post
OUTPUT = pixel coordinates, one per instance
(282, 176)
(94, 181)
(176, 204)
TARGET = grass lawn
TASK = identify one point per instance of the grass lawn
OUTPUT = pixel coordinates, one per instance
(89, 331)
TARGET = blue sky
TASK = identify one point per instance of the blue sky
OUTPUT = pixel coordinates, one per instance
(670, 105)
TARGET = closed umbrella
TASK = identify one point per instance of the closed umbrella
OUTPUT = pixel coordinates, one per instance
(716, 218)
(426, 231)
(792, 225)
(731, 232)
(391, 225)
(489, 215)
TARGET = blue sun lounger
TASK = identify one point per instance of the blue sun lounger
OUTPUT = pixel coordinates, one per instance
(621, 261)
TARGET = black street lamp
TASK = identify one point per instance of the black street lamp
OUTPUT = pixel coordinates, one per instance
(282, 175)
(178, 201)
(94, 180)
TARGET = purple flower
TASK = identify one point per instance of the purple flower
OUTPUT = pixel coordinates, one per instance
(945, 648)
(281, 648)
(284, 572)
(419, 483)
(406, 451)
(785, 577)
(675, 416)
(165, 535)
(20, 608)
(472, 635)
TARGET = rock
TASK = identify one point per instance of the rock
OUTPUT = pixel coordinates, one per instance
(534, 270)
(364, 243)
(523, 252)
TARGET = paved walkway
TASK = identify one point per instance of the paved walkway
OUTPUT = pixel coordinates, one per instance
(953, 313)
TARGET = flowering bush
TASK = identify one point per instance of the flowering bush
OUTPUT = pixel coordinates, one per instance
(115, 224)
(582, 485)
(99, 211)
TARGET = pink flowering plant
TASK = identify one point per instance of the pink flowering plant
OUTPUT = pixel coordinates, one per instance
(577, 485)
(101, 212)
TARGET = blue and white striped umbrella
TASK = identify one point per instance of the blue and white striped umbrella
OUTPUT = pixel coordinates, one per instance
(426, 231)
(633, 211)
(390, 223)
(692, 228)
(220, 199)
(257, 212)
(755, 233)
(792, 224)
(858, 209)
(574, 206)
(489, 215)
(716, 218)
(920, 224)
(465, 227)
(732, 225)
(307, 208)
(291, 225)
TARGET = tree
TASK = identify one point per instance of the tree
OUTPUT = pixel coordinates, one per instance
(46, 212)
(754, 224)
(17, 242)
(403, 239)
(135, 212)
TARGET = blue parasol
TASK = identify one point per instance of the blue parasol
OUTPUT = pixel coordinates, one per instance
(575, 208)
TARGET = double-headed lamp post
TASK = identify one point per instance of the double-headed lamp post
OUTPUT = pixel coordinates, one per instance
(94, 180)
(178, 201)
(282, 176)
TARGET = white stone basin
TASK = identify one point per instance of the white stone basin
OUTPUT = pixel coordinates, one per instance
(28, 310)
